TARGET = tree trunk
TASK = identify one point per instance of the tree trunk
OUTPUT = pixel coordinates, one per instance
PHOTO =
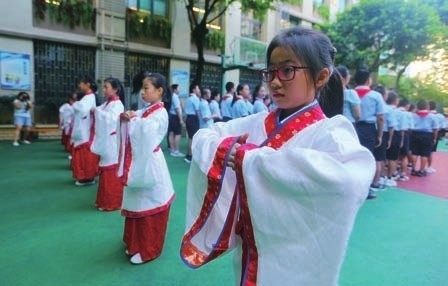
(398, 78)
(199, 35)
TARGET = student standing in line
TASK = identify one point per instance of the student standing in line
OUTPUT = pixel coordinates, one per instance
(214, 105)
(258, 99)
(148, 191)
(239, 106)
(192, 112)
(226, 103)
(84, 162)
(175, 122)
(441, 125)
(406, 125)
(397, 140)
(205, 114)
(66, 114)
(371, 122)
(110, 189)
(351, 99)
(281, 188)
(423, 137)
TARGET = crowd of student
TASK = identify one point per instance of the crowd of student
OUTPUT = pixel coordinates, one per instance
(401, 136)
(306, 171)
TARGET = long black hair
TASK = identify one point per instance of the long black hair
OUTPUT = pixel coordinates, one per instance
(116, 85)
(315, 51)
(239, 88)
(255, 93)
(159, 81)
(89, 80)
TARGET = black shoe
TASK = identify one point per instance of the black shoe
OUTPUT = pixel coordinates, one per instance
(371, 195)
(415, 173)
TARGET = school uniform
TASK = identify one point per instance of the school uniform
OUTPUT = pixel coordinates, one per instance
(389, 123)
(239, 108)
(394, 150)
(215, 110)
(351, 100)
(259, 106)
(174, 121)
(205, 113)
(84, 162)
(372, 105)
(262, 210)
(110, 189)
(226, 107)
(406, 125)
(441, 125)
(148, 191)
(422, 136)
(192, 110)
(249, 106)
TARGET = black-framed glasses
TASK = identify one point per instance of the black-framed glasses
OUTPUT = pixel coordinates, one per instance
(285, 73)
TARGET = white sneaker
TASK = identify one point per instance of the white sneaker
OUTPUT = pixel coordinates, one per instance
(26, 142)
(101, 209)
(177, 153)
(127, 252)
(136, 259)
(390, 183)
(430, 170)
(15, 144)
(69, 157)
(382, 180)
(403, 178)
(78, 183)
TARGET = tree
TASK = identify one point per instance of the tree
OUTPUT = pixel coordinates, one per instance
(381, 32)
(211, 10)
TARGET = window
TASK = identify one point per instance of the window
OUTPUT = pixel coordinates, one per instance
(250, 28)
(287, 20)
(155, 7)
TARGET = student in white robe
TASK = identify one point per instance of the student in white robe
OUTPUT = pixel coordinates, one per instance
(282, 188)
(84, 162)
(66, 118)
(110, 189)
(148, 191)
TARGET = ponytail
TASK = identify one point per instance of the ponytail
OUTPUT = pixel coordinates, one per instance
(331, 96)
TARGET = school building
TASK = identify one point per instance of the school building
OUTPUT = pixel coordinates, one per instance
(46, 45)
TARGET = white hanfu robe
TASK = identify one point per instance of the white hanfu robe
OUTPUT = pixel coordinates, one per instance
(105, 140)
(84, 162)
(289, 207)
(82, 126)
(142, 166)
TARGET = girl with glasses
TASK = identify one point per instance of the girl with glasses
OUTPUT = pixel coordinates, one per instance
(281, 188)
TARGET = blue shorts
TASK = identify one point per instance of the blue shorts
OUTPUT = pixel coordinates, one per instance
(22, 120)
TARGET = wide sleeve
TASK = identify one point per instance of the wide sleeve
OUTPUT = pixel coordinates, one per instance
(212, 202)
(105, 127)
(304, 197)
(145, 136)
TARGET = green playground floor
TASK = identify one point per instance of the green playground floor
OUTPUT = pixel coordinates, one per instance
(51, 234)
